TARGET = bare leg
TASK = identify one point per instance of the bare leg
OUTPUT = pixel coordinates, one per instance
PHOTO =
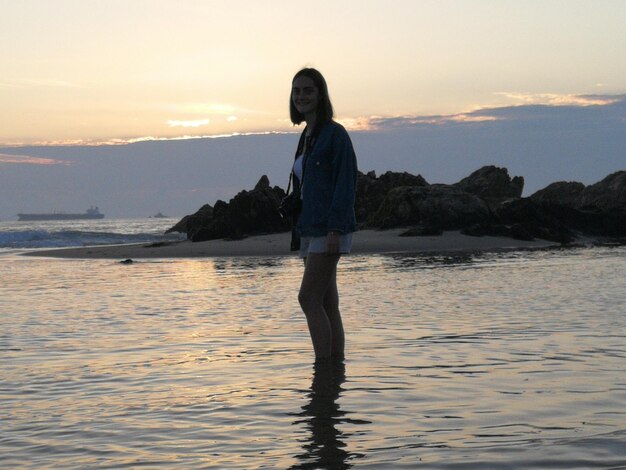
(331, 306)
(319, 274)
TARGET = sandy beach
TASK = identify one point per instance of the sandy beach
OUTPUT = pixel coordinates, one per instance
(365, 241)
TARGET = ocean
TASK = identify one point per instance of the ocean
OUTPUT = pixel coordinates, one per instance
(15, 235)
(510, 360)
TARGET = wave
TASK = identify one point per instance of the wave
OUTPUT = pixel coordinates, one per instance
(70, 238)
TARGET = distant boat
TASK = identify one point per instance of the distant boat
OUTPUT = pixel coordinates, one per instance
(91, 213)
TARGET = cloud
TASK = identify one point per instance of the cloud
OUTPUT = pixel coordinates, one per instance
(471, 118)
(399, 122)
(193, 123)
(554, 111)
(562, 110)
(552, 99)
(30, 160)
(132, 140)
(357, 124)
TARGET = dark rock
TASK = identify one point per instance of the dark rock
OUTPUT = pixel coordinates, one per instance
(608, 195)
(180, 226)
(545, 221)
(492, 184)
(440, 206)
(487, 202)
(596, 210)
(595, 222)
(371, 191)
(519, 232)
(564, 193)
(391, 179)
(220, 208)
(192, 223)
(264, 183)
(248, 213)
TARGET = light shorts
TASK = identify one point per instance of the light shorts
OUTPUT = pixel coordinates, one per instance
(318, 244)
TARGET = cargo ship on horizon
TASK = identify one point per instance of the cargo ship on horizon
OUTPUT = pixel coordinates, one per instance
(91, 213)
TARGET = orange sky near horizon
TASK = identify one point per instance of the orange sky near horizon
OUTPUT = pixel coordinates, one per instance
(88, 71)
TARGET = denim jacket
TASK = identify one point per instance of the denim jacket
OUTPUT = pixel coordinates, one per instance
(329, 187)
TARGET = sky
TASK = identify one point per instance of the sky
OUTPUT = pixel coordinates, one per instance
(89, 71)
(145, 106)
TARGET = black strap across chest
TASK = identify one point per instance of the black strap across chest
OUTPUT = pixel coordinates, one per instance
(305, 145)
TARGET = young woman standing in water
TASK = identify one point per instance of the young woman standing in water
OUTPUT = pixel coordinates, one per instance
(325, 174)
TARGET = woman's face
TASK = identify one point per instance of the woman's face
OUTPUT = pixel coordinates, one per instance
(305, 95)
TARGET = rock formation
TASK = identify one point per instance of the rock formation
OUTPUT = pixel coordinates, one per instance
(252, 212)
(432, 208)
(487, 202)
(608, 195)
(564, 193)
(371, 191)
(492, 184)
(437, 206)
(190, 224)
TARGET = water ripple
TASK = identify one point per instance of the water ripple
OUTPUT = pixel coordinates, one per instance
(508, 360)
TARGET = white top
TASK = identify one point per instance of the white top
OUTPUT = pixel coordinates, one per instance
(297, 168)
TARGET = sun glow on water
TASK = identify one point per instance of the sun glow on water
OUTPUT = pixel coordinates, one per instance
(211, 359)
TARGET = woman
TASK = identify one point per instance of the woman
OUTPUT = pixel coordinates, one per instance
(325, 173)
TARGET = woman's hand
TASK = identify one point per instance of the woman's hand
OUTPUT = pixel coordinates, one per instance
(332, 242)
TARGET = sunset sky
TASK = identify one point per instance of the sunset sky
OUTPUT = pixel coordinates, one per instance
(86, 71)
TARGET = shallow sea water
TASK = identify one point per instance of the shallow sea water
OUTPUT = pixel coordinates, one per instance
(509, 360)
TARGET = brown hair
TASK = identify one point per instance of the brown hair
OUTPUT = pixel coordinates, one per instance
(324, 107)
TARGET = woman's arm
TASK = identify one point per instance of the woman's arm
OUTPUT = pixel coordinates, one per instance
(344, 177)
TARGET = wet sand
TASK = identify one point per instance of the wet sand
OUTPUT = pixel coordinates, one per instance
(365, 241)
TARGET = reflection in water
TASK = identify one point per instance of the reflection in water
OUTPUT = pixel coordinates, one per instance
(432, 260)
(324, 448)
(511, 360)
(409, 262)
